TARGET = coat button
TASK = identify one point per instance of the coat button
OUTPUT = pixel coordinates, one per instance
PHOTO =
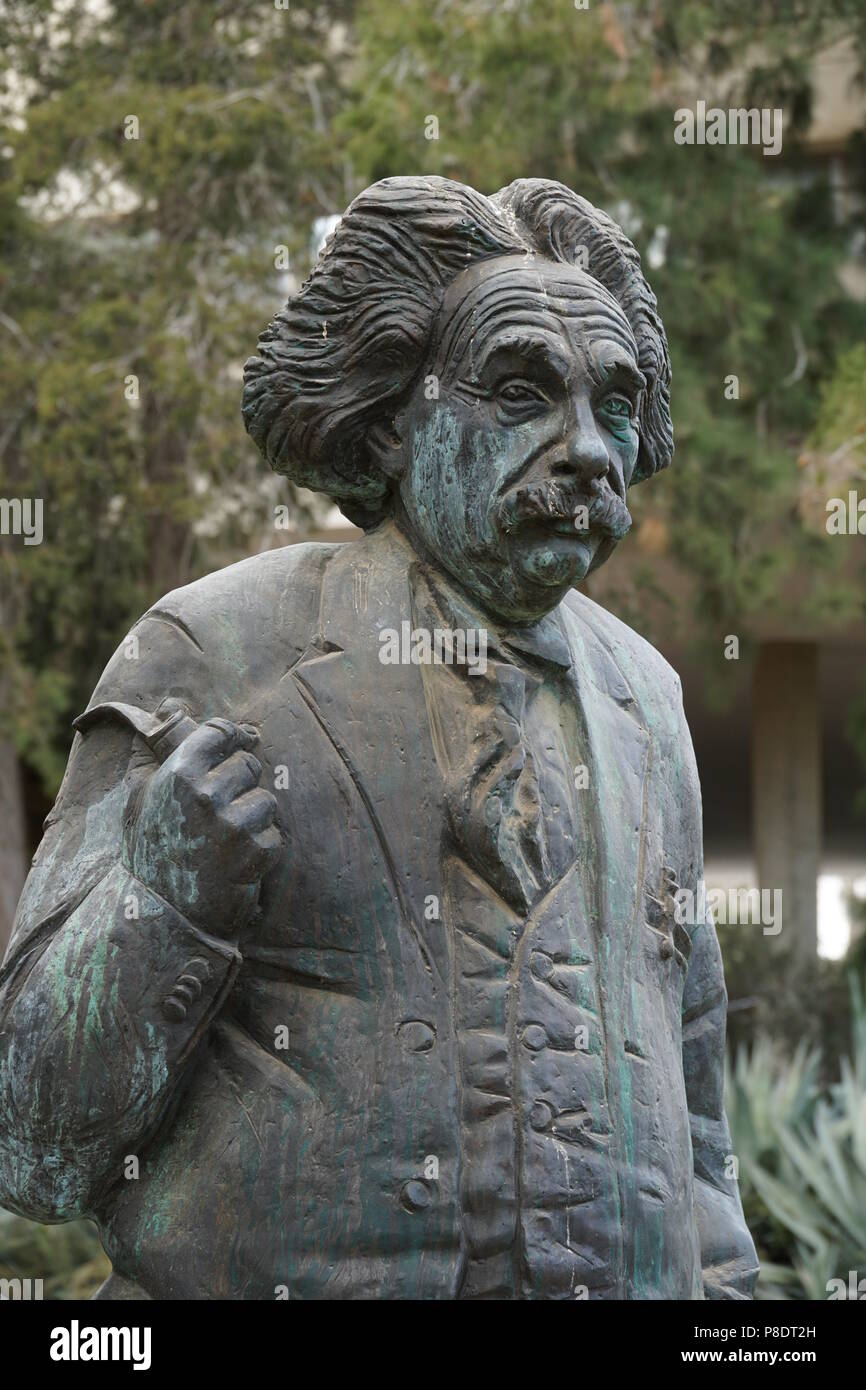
(541, 965)
(186, 991)
(416, 1036)
(534, 1037)
(541, 1115)
(198, 967)
(191, 983)
(655, 910)
(415, 1195)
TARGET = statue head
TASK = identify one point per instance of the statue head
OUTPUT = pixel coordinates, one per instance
(491, 372)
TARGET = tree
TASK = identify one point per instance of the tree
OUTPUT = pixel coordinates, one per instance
(743, 249)
(162, 166)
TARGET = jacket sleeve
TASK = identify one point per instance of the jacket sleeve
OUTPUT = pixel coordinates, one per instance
(106, 989)
(728, 1258)
(730, 1264)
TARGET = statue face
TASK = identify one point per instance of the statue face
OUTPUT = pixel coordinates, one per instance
(514, 479)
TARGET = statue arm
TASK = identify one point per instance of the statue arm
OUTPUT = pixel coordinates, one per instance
(106, 988)
(728, 1258)
(730, 1265)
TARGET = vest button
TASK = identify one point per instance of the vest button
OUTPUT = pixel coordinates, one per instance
(541, 1115)
(534, 1037)
(415, 1195)
(541, 965)
(416, 1036)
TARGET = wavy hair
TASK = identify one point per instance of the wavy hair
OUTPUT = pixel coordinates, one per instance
(347, 348)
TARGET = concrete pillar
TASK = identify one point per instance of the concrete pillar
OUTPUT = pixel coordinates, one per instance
(786, 784)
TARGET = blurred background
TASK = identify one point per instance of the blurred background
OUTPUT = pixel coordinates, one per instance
(168, 174)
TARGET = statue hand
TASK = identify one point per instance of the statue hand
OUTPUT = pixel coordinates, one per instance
(204, 834)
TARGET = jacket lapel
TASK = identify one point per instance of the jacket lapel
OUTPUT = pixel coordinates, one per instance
(374, 715)
(619, 763)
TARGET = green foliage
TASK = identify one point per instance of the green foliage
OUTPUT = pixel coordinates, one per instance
(769, 1089)
(774, 992)
(149, 258)
(802, 1157)
(743, 250)
(154, 258)
(841, 417)
(67, 1258)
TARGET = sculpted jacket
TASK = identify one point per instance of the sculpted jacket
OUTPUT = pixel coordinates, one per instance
(464, 1049)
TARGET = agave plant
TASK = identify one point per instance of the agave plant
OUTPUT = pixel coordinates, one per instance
(768, 1091)
(802, 1158)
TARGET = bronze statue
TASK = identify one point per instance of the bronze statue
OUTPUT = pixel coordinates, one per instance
(348, 966)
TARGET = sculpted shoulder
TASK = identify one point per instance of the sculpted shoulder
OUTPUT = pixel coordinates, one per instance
(213, 643)
(657, 688)
(643, 666)
(273, 590)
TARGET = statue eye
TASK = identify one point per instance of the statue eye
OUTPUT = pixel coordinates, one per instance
(620, 407)
(516, 392)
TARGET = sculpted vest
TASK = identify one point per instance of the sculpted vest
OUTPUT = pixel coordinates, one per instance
(551, 1183)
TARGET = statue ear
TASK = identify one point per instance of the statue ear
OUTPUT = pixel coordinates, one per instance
(385, 447)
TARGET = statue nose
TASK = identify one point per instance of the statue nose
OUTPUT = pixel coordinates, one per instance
(586, 450)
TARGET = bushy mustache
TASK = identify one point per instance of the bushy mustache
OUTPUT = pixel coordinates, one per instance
(556, 499)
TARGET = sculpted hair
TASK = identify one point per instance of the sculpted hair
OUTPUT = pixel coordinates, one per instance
(348, 347)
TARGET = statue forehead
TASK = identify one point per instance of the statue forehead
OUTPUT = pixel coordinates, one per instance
(533, 292)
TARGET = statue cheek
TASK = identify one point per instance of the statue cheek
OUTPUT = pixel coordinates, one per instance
(489, 465)
(458, 473)
(627, 449)
(435, 464)
(439, 484)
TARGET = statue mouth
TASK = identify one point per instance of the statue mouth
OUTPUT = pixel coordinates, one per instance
(566, 508)
(569, 528)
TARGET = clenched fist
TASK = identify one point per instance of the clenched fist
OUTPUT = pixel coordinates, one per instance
(203, 836)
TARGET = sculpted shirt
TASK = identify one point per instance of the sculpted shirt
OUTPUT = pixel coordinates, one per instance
(506, 739)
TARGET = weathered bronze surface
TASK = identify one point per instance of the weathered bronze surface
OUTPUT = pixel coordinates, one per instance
(349, 964)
